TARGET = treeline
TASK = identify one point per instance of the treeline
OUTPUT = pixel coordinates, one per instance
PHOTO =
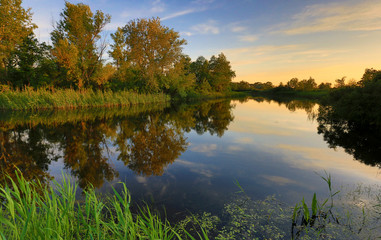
(295, 84)
(146, 56)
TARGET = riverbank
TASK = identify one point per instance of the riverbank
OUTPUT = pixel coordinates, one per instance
(71, 99)
(290, 93)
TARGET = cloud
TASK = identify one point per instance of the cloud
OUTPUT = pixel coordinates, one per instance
(178, 14)
(157, 6)
(209, 27)
(344, 16)
(188, 34)
(237, 29)
(248, 38)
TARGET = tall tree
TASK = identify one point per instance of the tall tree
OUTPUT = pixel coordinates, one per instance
(149, 48)
(15, 25)
(77, 43)
(221, 73)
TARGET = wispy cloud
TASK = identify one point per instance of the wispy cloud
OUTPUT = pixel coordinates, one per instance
(178, 14)
(209, 27)
(248, 38)
(238, 29)
(343, 16)
(157, 6)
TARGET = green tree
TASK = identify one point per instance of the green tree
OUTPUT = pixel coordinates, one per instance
(31, 64)
(221, 73)
(293, 83)
(77, 44)
(340, 82)
(15, 25)
(324, 85)
(200, 68)
(148, 48)
(307, 84)
(179, 80)
(370, 75)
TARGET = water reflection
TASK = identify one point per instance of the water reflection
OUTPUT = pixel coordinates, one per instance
(360, 139)
(145, 140)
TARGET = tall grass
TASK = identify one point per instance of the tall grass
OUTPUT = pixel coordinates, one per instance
(32, 211)
(69, 98)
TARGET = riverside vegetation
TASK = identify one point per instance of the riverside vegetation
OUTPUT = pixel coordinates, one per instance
(147, 58)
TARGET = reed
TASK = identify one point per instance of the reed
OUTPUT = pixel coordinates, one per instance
(31, 211)
(70, 99)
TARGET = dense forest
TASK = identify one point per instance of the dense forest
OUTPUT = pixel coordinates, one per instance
(145, 56)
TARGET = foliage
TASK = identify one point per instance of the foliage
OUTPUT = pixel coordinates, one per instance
(149, 48)
(75, 39)
(31, 64)
(15, 25)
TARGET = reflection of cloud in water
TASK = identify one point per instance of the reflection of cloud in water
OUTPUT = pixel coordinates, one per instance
(279, 180)
(243, 140)
(141, 180)
(205, 148)
(313, 158)
(234, 148)
(198, 168)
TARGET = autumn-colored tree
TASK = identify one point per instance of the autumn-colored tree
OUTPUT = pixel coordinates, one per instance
(221, 73)
(77, 44)
(149, 48)
(15, 25)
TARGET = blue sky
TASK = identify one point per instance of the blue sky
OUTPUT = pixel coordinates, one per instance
(266, 40)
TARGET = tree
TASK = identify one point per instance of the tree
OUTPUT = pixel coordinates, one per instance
(221, 73)
(15, 25)
(149, 48)
(30, 64)
(179, 80)
(75, 40)
(370, 75)
(307, 85)
(200, 68)
(324, 85)
(340, 82)
(293, 83)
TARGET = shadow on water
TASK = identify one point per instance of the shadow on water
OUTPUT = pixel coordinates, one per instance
(145, 139)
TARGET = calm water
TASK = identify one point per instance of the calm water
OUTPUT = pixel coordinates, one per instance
(186, 158)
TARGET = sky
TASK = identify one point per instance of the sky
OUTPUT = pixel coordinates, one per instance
(265, 40)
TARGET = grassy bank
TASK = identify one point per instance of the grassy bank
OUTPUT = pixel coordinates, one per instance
(32, 211)
(70, 99)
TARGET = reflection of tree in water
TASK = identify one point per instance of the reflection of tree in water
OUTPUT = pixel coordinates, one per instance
(83, 145)
(26, 150)
(360, 139)
(154, 145)
(146, 142)
(291, 104)
(212, 116)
